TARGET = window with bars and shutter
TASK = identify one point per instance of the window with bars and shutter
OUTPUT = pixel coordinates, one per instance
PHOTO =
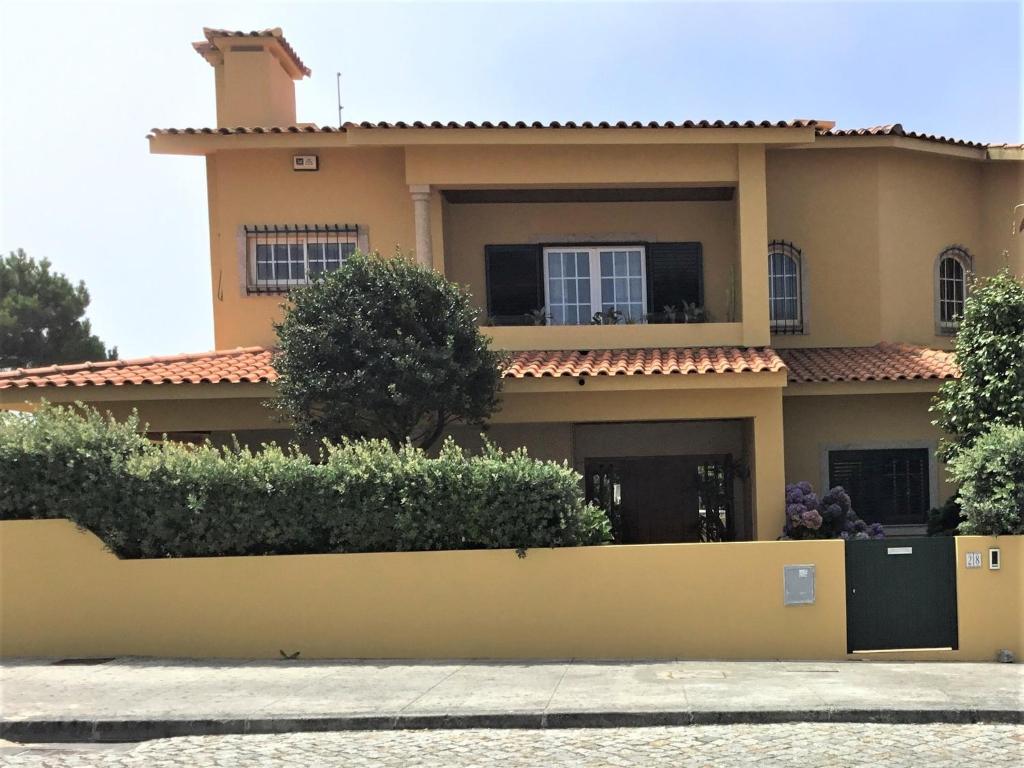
(572, 283)
(888, 486)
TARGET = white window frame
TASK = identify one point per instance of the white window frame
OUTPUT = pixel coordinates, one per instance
(961, 256)
(594, 256)
(303, 239)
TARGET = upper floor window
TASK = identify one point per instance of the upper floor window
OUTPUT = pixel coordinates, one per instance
(785, 287)
(581, 284)
(281, 257)
(951, 275)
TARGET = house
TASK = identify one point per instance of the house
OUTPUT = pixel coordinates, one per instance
(695, 312)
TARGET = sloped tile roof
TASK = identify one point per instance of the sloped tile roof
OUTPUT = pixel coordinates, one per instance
(896, 129)
(822, 127)
(243, 365)
(276, 33)
(882, 362)
(253, 365)
(632, 362)
(485, 125)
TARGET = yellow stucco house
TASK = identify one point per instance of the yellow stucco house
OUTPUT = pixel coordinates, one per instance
(819, 272)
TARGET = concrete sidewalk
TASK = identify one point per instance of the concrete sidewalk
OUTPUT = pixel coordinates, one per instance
(133, 699)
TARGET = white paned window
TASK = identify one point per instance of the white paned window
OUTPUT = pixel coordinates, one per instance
(581, 281)
(952, 271)
(568, 286)
(281, 258)
(623, 284)
(785, 299)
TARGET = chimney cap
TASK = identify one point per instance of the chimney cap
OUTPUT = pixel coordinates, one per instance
(280, 46)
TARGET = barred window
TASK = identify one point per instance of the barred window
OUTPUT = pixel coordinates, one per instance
(785, 287)
(281, 257)
(953, 267)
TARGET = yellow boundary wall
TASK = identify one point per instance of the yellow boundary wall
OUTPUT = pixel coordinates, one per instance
(62, 594)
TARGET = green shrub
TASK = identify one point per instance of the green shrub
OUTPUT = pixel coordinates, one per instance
(990, 473)
(169, 500)
(943, 520)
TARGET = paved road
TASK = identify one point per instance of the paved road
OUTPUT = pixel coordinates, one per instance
(879, 746)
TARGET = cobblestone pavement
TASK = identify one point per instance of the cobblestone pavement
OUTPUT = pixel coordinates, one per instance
(917, 746)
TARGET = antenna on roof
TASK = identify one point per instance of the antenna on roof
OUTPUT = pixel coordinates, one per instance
(339, 100)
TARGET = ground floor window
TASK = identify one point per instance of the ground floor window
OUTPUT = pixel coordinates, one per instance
(888, 486)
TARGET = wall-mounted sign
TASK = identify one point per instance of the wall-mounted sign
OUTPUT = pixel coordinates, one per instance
(974, 559)
(305, 163)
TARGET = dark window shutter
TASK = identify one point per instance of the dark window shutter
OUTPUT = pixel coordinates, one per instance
(888, 486)
(675, 275)
(515, 282)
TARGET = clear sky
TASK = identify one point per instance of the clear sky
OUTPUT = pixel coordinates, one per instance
(81, 84)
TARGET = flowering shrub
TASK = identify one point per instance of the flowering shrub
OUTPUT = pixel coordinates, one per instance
(830, 517)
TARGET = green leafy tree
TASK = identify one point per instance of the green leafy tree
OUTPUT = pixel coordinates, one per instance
(42, 316)
(990, 354)
(383, 348)
(990, 473)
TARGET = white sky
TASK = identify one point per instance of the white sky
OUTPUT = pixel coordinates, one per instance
(81, 84)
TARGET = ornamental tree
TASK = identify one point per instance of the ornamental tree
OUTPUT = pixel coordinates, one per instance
(42, 316)
(382, 348)
(990, 354)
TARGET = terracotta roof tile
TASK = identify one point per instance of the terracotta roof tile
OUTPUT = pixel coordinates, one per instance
(253, 364)
(276, 33)
(631, 362)
(896, 129)
(243, 365)
(882, 362)
(822, 127)
(489, 125)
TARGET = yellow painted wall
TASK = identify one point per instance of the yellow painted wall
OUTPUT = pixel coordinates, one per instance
(826, 203)
(926, 204)
(1002, 188)
(365, 187)
(468, 228)
(252, 87)
(871, 223)
(814, 423)
(62, 594)
(570, 164)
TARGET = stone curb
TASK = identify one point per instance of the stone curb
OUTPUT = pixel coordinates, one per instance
(55, 731)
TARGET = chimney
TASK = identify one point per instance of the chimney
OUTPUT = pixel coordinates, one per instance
(255, 73)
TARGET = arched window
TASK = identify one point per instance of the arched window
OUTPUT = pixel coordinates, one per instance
(951, 271)
(785, 287)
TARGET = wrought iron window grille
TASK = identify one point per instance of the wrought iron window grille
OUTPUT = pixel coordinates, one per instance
(785, 288)
(281, 257)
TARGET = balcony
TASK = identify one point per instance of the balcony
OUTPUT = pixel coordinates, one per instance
(599, 268)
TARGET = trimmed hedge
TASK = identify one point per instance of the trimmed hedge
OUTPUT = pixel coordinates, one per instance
(990, 472)
(146, 499)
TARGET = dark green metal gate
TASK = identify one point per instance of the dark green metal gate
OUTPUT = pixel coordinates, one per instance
(901, 593)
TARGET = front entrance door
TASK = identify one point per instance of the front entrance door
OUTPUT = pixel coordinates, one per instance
(663, 499)
(901, 594)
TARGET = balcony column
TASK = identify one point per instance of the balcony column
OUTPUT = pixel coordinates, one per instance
(752, 223)
(421, 213)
